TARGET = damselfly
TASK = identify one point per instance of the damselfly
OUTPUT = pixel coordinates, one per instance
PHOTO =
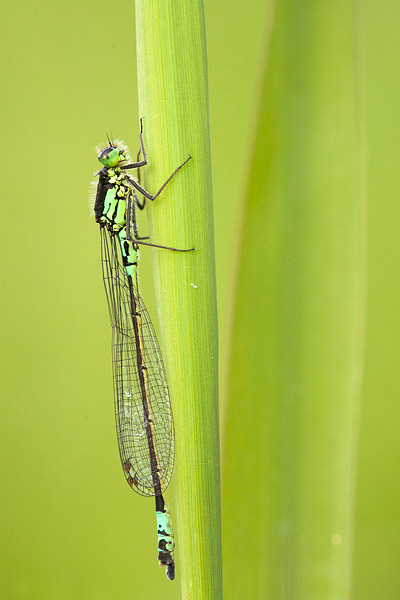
(143, 412)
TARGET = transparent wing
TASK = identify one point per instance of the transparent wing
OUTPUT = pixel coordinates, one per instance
(129, 412)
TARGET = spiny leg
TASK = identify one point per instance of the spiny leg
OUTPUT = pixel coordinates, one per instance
(131, 221)
(140, 203)
(142, 163)
(165, 247)
(139, 163)
(130, 218)
(138, 169)
(147, 194)
(140, 149)
(134, 222)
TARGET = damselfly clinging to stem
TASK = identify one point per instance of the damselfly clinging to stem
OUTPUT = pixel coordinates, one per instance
(143, 412)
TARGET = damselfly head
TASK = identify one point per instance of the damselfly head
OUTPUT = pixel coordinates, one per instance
(110, 156)
(116, 153)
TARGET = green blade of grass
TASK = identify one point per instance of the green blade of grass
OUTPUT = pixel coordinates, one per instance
(173, 99)
(297, 342)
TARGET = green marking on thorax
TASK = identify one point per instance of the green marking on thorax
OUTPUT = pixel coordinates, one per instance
(115, 200)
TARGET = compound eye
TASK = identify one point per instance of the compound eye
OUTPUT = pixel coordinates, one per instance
(109, 157)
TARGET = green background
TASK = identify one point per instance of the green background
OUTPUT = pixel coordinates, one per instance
(69, 522)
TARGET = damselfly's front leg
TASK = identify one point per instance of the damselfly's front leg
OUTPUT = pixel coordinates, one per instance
(139, 163)
(142, 163)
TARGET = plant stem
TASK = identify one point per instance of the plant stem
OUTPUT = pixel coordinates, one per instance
(173, 99)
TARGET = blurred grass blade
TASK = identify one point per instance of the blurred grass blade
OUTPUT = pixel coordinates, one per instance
(297, 341)
(173, 99)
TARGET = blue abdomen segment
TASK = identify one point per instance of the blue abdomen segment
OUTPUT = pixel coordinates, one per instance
(165, 535)
(166, 542)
